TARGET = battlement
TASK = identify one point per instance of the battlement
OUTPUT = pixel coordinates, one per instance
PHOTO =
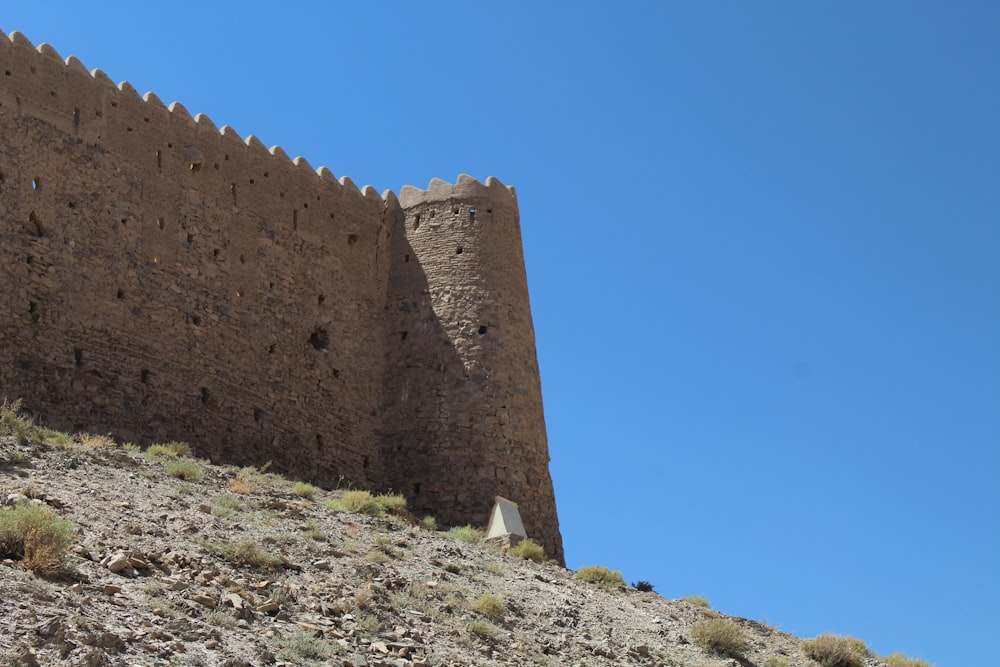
(465, 188)
(162, 278)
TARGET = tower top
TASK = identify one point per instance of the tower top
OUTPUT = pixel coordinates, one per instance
(465, 187)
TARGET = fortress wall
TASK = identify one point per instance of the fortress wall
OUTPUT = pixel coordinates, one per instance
(463, 418)
(160, 279)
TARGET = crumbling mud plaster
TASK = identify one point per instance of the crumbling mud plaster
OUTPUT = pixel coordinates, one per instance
(162, 279)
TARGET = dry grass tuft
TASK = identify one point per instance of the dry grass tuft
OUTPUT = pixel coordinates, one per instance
(36, 536)
(245, 482)
(721, 636)
(835, 651)
(528, 550)
(602, 576)
(491, 606)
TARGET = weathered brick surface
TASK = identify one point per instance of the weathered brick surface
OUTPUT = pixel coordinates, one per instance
(162, 279)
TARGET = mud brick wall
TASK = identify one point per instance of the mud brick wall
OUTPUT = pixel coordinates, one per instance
(165, 279)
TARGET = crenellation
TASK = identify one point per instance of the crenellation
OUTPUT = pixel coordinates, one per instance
(162, 278)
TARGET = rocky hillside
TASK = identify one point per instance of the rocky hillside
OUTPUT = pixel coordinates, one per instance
(173, 561)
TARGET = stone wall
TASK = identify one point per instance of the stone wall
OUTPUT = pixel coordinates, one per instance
(163, 279)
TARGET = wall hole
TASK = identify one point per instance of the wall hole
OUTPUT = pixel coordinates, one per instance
(161, 223)
(416, 222)
(232, 191)
(364, 462)
(204, 396)
(403, 335)
(33, 311)
(35, 225)
(455, 210)
(472, 215)
(258, 415)
(336, 372)
(319, 339)
(36, 184)
(159, 159)
(243, 260)
(490, 211)
(239, 291)
(144, 376)
(120, 294)
(416, 489)
(332, 216)
(406, 259)
(320, 299)
(194, 166)
(319, 441)
(266, 174)
(156, 259)
(76, 119)
(71, 204)
(215, 252)
(352, 239)
(458, 250)
(270, 349)
(295, 219)
(252, 181)
(305, 205)
(482, 329)
(195, 320)
(432, 213)
(77, 356)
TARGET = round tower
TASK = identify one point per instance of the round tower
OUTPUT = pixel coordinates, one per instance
(462, 415)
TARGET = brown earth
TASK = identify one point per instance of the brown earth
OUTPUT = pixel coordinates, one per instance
(354, 589)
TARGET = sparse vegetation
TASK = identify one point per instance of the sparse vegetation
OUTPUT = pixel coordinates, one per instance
(836, 651)
(721, 636)
(304, 490)
(14, 422)
(361, 502)
(483, 629)
(900, 660)
(777, 661)
(529, 550)
(187, 469)
(171, 449)
(224, 505)
(93, 440)
(245, 482)
(36, 536)
(304, 646)
(429, 523)
(467, 534)
(391, 503)
(491, 606)
(245, 553)
(642, 586)
(602, 576)
(697, 601)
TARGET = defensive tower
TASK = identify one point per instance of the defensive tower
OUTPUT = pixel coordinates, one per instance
(462, 417)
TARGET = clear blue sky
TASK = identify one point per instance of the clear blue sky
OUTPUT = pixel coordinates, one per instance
(763, 244)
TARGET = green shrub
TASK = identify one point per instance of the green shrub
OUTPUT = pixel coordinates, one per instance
(643, 586)
(187, 469)
(777, 661)
(466, 533)
(429, 523)
(697, 601)
(360, 501)
(602, 576)
(835, 651)
(483, 629)
(391, 503)
(36, 536)
(14, 422)
(528, 550)
(304, 490)
(721, 636)
(900, 660)
(491, 606)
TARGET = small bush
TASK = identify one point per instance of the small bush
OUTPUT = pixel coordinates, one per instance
(429, 523)
(835, 651)
(95, 441)
(247, 553)
(721, 636)
(304, 490)
(483, 629)
(391, 503)
(187, 469)
(466, 533)
(304, 646)
(245, 482)
(643, 586)
(697, 601)
(36, 536)
(334, 505)
(14, 422)
(602, 576)
(52, 437)
(777, 661)
(169, 449)
(491, 606)
(528, 550)
(361, 502)
(900, 660)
